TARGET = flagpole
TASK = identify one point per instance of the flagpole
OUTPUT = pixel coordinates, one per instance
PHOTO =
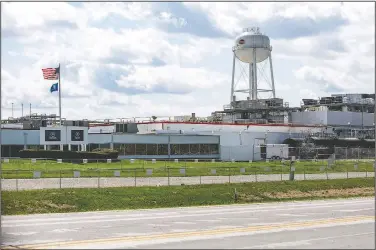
(60, 94)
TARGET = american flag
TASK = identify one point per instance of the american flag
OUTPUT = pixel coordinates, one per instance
(51, 73)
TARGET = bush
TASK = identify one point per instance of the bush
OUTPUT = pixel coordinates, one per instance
(69, 155)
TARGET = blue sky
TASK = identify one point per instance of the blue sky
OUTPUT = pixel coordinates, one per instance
(166, 59)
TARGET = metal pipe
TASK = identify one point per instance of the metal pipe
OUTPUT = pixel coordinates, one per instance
(271, 72)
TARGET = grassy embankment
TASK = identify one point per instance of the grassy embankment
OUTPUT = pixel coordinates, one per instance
(79, 200)
(24, 168)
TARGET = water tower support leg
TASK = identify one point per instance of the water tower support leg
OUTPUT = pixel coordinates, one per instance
(251, 84)
(271, 73)
(233, 78)
(254, 75)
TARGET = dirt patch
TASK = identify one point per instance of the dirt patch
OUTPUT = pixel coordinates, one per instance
(249, 197)
(57, 206)
(323, 193)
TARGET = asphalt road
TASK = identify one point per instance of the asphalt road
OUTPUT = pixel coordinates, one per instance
(49, 183)
(331, 224)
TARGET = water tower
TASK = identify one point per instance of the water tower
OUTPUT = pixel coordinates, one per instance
(252, 47)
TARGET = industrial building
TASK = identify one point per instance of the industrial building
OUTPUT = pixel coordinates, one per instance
(238, 132)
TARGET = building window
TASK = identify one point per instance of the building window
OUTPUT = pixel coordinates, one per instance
(162, 149)
(129, 149)
(140, 149)
(152, 149)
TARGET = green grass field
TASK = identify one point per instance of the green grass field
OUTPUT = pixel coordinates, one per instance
(20, 168)
(86, 199)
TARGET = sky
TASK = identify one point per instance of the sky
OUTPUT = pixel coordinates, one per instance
(121, 60)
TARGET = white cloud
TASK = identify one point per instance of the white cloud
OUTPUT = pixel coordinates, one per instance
(171, 78)
(44, 34)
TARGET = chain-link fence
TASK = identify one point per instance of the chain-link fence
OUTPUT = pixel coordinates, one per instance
(26, 174)
(340, 153)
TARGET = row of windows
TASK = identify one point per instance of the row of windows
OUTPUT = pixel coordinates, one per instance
(160, 149)
(127, 149)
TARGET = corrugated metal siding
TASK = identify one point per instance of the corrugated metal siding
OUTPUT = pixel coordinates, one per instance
(16, 137)
(310, 118)
(355, 118)
(333, 118)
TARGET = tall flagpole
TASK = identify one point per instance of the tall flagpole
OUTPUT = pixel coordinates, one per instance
(59, 94)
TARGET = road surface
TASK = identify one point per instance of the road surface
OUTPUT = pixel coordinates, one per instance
(49, 183)
(335, 224)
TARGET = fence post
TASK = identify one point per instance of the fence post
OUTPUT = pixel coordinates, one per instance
(304, 172)
(99, 176)
(347, 171)
(60, 178)
(229, 175)
(256, 174)
(135, 177)
(17, 180)
(168, 176)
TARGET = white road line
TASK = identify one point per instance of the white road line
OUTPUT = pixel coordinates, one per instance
(79, 220)
(158, 225)
(63, 230)
(185, 222)
(292, 215)
(208, 220)
(253, 207)
(22, 233)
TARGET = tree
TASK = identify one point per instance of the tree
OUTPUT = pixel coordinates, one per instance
(154, 118)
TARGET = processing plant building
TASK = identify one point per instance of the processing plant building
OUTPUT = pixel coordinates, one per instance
(239, 131)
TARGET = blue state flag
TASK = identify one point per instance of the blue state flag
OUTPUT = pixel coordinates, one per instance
(54, 87)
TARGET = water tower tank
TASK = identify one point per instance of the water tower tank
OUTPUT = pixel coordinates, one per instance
(252, 39)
